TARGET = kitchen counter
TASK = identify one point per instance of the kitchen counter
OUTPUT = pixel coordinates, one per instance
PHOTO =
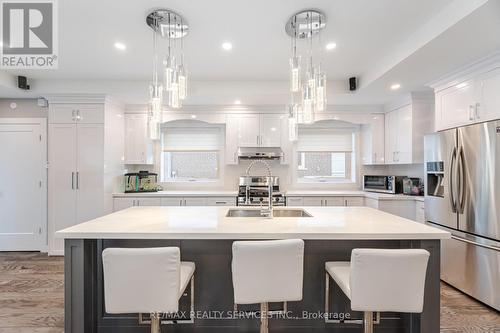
(205, 236)
(212, 223)
(347, 193)
(169, 193)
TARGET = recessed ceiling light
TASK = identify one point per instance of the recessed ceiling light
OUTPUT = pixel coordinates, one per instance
(227, 46)
(395, 86)
(237, 102)
(120, 46)
(331, 46)
(193, 116)
(462, 85)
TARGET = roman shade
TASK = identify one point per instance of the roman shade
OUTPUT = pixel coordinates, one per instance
(191, 139)
(325, 140)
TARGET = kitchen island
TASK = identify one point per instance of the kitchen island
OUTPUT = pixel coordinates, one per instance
(205, 236)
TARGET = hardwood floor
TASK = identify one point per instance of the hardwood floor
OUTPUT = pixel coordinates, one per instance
(32, 301)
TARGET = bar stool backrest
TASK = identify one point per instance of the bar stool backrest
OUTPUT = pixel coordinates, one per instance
(388, 280)
(268, 271)
(141, 280)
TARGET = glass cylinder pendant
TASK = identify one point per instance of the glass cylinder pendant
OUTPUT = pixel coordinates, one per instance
(174, 100)
(182, 78)
(307, 104)
(292, 122)
(295, 74)
(320, 92)
(155, 112)
(169, 72)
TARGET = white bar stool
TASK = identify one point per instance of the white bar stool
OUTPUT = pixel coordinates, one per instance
(378, 280)
(145, 280)
(267, 271)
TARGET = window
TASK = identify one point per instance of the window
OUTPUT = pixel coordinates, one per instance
(325, 155)
(190, 154)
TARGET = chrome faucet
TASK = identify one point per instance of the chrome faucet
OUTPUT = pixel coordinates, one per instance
(265, 212)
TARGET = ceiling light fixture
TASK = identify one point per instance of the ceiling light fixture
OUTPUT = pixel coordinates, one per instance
(330, 46)
(237, 102)
(227, 46)
(395, 86)
(171, 26)
(305, 25)
(120, 46)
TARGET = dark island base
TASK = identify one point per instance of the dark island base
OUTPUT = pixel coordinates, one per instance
(84, 306)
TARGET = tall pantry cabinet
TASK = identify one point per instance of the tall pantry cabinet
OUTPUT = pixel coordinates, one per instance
(86, 148)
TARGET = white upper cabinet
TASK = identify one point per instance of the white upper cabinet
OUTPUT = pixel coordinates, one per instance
(257, 130)
(138, 148)
(469, 97)
(270, 130)
(456, 106)
(488, 107)
(76, 113)
(372, 138)
(248, 130)
(405, 127)
(254, 130)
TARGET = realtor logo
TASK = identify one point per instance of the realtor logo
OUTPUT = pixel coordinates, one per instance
(29, 34)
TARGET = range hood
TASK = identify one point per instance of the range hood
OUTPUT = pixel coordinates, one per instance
(260, 153)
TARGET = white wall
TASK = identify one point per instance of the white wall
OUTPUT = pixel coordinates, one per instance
(26, 108)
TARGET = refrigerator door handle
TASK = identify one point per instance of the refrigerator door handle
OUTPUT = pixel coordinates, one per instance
(451, 180)
(490, 247)
(462, 181)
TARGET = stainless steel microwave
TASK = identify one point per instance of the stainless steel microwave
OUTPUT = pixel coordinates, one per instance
(383, 184)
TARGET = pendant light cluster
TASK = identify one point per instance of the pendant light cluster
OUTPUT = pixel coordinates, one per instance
(308, 82)
(172, 27)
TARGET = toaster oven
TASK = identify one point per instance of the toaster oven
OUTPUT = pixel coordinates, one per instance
(383, 184)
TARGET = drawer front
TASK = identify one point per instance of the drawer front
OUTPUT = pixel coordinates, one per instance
(172, 201)
(354, 201)
(148, 202)
(295, 201)
(313, 201)
(221, 201)
(333, 201)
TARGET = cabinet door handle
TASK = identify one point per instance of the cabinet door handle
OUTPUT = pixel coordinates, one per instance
(78, 117)
(221, 202)
(185, 202)
(73, 115)
(257, 140)
(477, 110)
(180, 202)
(77, 180)
(471, 112)
(72, 180)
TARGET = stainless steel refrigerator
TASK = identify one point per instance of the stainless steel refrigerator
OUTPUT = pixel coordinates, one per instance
(462, 195)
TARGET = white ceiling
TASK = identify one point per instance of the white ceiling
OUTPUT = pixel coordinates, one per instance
(365, 31)
(381, 42)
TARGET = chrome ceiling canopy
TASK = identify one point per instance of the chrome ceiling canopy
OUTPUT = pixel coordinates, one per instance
(305, 24)
(167, 23)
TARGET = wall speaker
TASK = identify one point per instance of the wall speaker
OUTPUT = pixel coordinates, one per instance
(22, 83)
(352, 83)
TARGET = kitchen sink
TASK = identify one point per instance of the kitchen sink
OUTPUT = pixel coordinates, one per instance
(276, 213)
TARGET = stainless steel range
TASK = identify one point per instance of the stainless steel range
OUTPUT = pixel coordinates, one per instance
(254, 191)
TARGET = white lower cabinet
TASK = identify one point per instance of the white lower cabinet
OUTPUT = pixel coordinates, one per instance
(420, 211)
(324, 201)
(123, 203)
(120, 203)
(221, 201)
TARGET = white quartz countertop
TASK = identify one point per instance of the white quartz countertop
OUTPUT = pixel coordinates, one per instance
(211, 223)
(347, 193)
(197, 193)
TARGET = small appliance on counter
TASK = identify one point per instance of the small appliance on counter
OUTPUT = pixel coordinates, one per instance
(412, 186)
(142, 181)
(383, 184)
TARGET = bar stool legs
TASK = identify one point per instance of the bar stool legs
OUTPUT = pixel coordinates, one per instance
(155, 322)
(264, 319)
(368, 322)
